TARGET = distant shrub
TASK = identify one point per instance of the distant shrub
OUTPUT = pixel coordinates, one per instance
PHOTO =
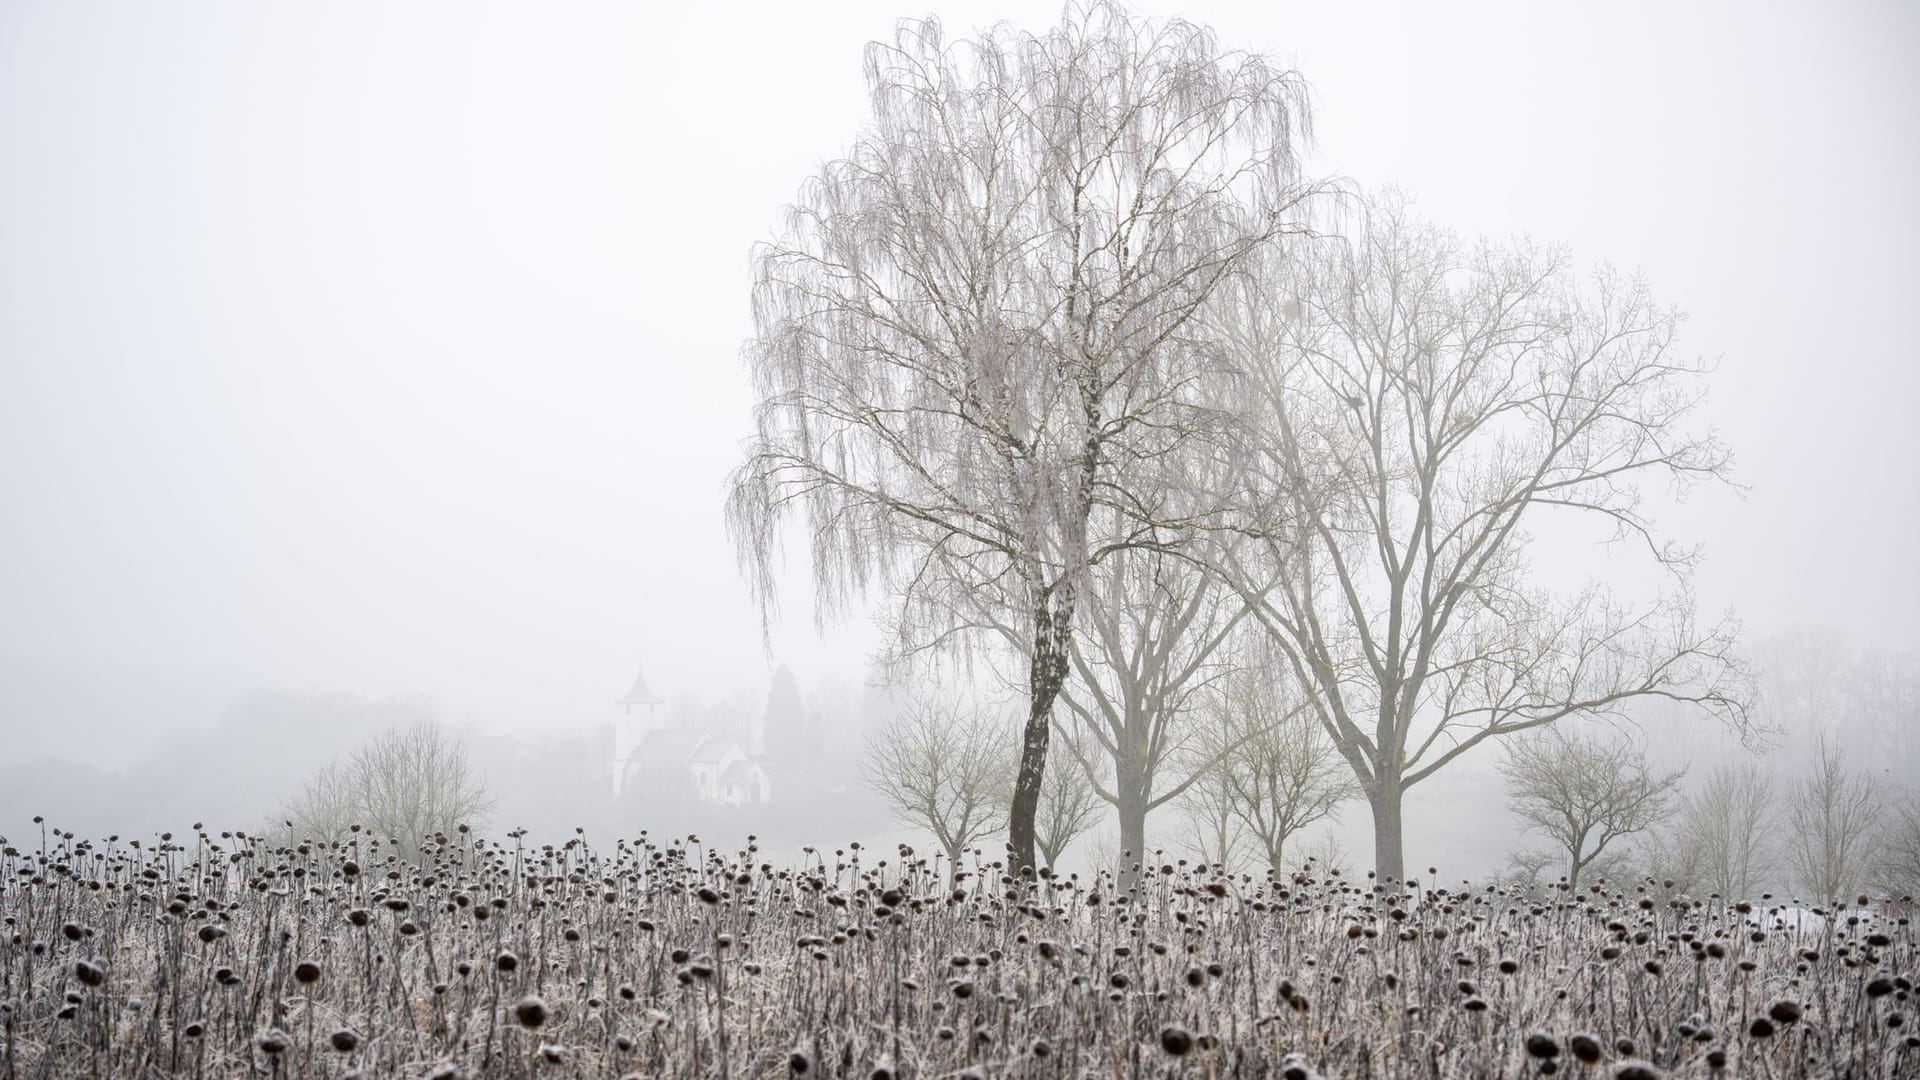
(407, 784)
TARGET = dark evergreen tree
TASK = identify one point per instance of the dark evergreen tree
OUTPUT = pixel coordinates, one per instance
(784, 728)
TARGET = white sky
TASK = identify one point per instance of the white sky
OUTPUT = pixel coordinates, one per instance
(394, 347)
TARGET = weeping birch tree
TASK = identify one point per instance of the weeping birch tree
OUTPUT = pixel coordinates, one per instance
(1418, 410)
(975, 348)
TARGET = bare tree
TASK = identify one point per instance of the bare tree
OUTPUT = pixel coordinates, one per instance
(1882, 718)
(1665, 856)
(1281, 772)
(1585, 792)
(1157, 636)
(407, 784)
(1069, 806)
(1525, 865)
(1328, 854)
(1898, 871)
(1418, 409)
(411, 783)
(1833, 820)
(1728, 824)
(1802, 679)
(1211, 819)
(1103, 851)
(325, 810)
(975, 345)
(942, 767)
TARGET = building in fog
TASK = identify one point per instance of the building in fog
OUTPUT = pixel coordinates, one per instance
(630, 729)
(682, 766)
(654, 760)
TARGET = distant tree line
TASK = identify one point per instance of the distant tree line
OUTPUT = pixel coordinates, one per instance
(1831, 814)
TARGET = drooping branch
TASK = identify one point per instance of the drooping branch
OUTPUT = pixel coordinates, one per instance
(980, 331)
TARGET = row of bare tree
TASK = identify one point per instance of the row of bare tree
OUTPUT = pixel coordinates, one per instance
(1067, 364)
(1833, 834)
(1839, 820)
(1254, 769)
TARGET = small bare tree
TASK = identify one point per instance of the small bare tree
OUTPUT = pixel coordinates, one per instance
(1281, 772)
(406, 784)
(942, 767)
(1157, 635)
(411, 783)
(1585, 792)
(1526, 864)
(1213, 824)
(1834, 818)
(325, 809)
(1898, 872)
(1882, 719)
(1728, 826)
(1328, 855)
(1665, 856)
(1069, 805)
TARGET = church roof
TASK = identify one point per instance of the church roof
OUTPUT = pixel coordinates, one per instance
(665, 745)
(714, 751)
(640, 695)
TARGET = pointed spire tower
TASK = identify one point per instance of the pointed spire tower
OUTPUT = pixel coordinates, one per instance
(628, 729)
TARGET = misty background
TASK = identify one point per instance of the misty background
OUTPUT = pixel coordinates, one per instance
(373, 360)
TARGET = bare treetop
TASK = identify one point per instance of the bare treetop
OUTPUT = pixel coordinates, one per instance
(975, 319)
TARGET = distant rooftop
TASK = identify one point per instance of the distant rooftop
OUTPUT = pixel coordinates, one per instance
(668, 746)
(712, 752)
(640, 695)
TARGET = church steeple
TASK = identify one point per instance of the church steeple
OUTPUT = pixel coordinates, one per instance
(640, 695)
(629, 733)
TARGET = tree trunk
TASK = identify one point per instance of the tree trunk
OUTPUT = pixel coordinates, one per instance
(1026, 788)
(1046, 673)
(1384, 797)
(954, 855)
(1133, 829)
(1049, 854)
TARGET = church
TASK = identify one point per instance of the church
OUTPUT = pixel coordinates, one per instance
(656, 760)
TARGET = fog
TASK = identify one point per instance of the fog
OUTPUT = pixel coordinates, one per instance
(389, 355)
